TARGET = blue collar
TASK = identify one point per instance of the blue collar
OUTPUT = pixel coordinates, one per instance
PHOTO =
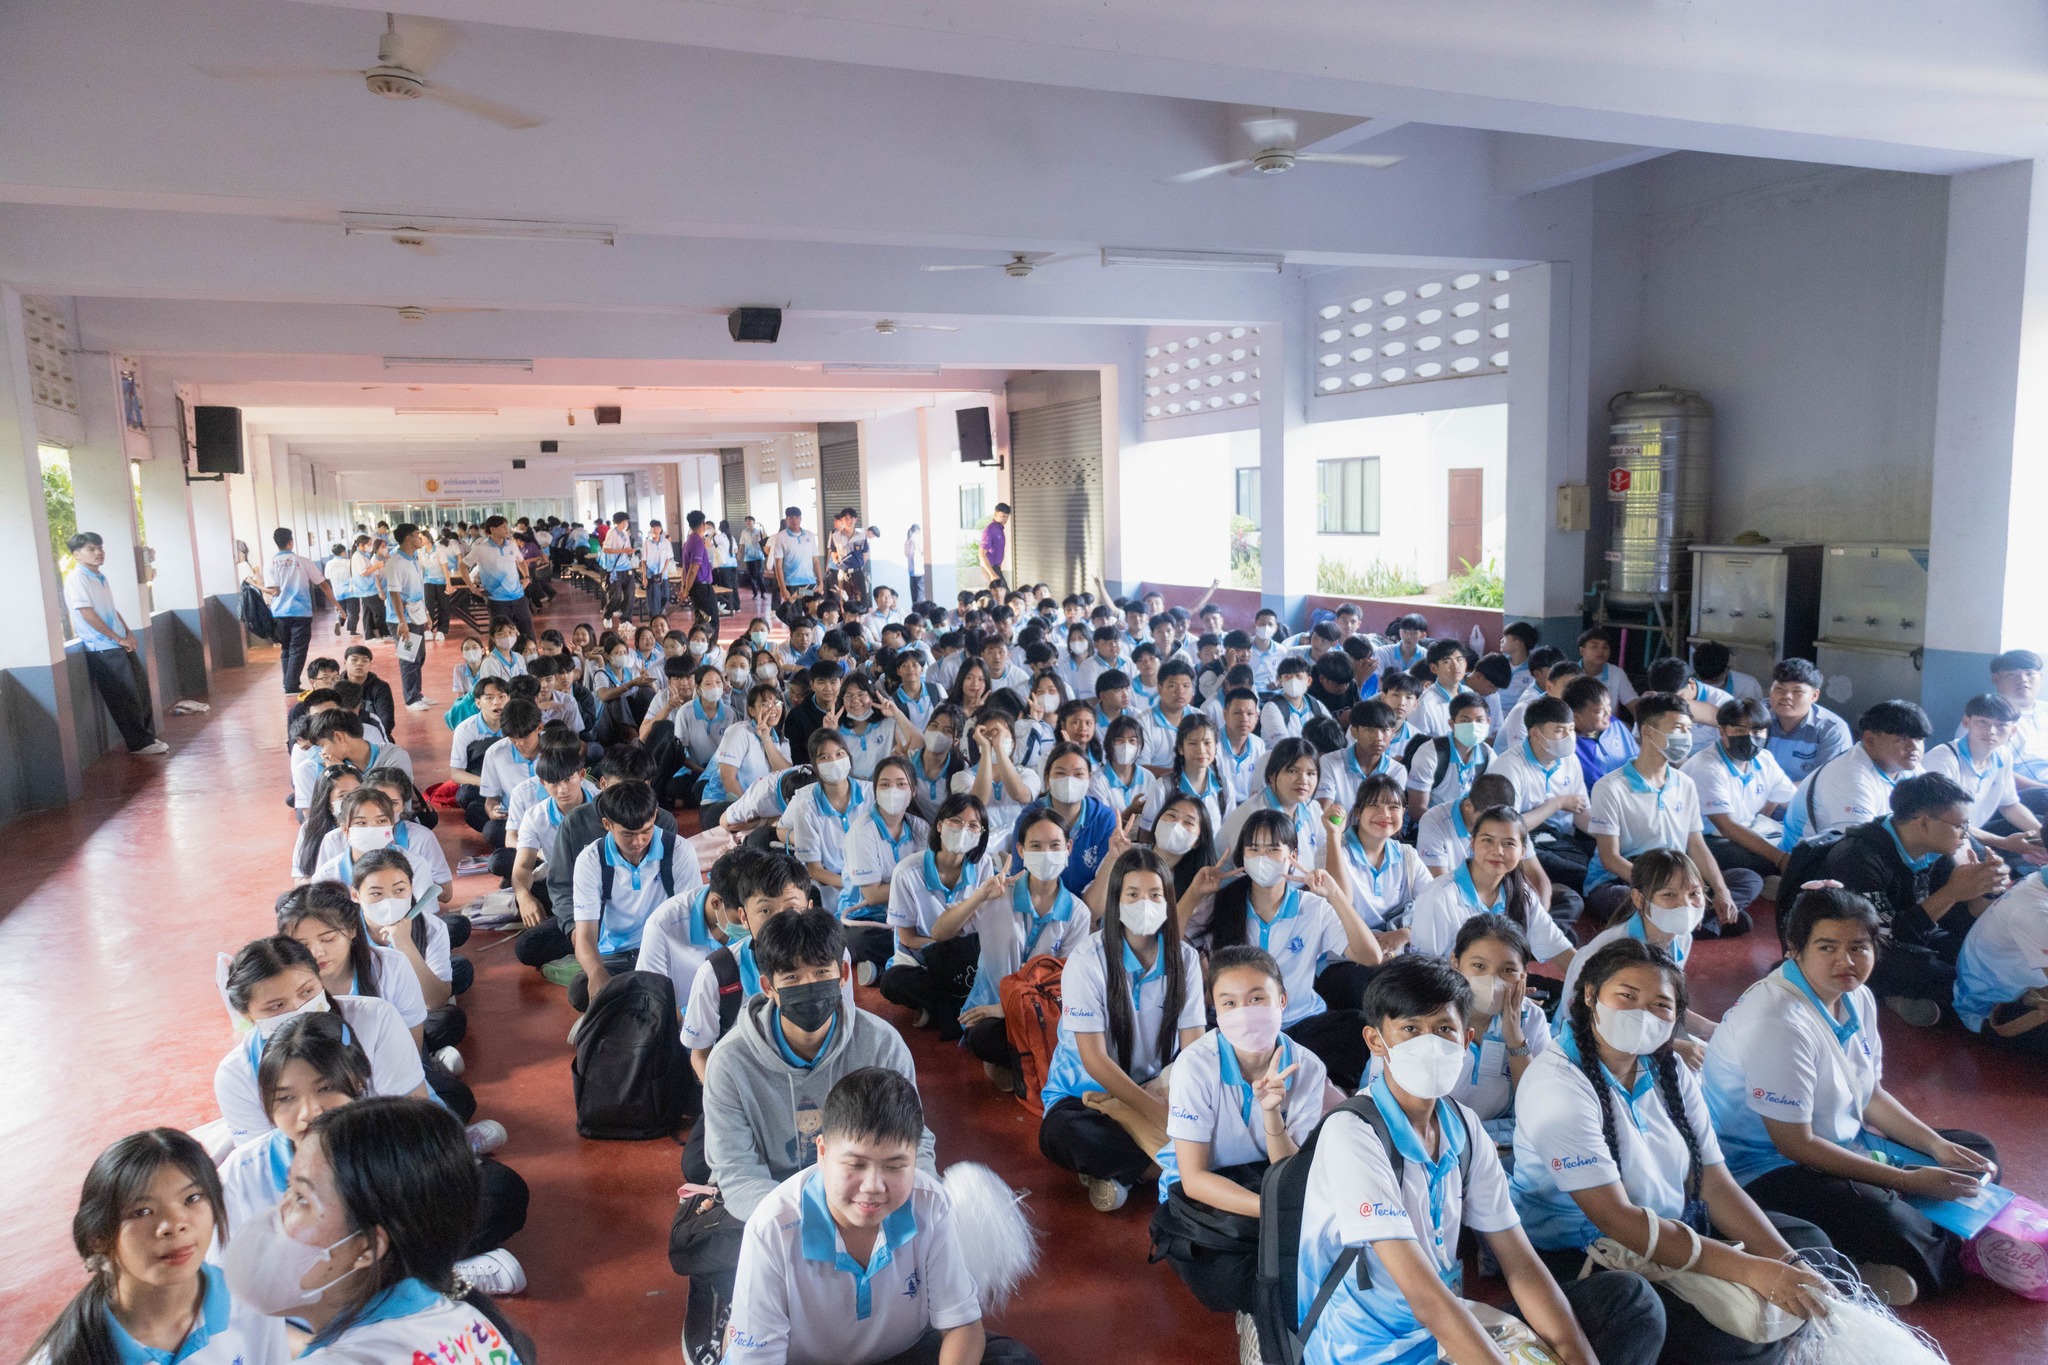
(1458, 820)
(555, 811)
(652, 858)
(938, 888)
(1351, 762)
(1919, 864)
(1844, 1030)
(401, 1300)
(789, 1053)
(1637, 782)
(1231, 1075)
(1529, 748)
(1389, 859)
(1139, 976)
(1744, 773)
(1470, 892)
(897, 843)
(825, 807)
(1061, 912)
(1213, 787)
(1680, 948)
(1633, 1094)
(1290, 908)
(1409, 1144)
(820, 1242)
(214, 1310)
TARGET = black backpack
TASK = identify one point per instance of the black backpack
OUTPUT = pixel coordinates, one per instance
(668, 870)
(1807, 860)
(725, 968)
(630, 1068)
(256, 617)
(1277, 1309)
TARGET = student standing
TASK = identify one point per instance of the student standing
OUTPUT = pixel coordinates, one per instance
(993, 546)
(657, 557)
(406, 581)
(695, 574)
(289, 580)
(110, 658)
(795, 554)
(1795, 1074)
(498, 568)
(913, 559)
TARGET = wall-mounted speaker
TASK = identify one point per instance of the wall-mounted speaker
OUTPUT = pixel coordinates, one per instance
(977, 437)
(550, 447)
(217, 440)
(754, 324)
(608, 417)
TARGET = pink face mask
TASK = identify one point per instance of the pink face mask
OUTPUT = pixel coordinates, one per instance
(1250, 1028)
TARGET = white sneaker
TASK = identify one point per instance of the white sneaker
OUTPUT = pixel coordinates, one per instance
(1106, 1195)
(1248, 1341)
(864, 973)
(1894, 1286)
(496, 1273)
(159, 747)
(421, 705)
(487, 1137)
(576, 1029)
(450, 1060)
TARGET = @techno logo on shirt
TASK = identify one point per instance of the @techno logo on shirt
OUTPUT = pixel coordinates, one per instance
(1572, 1163)
(1771, 1096)
(1372, 1209)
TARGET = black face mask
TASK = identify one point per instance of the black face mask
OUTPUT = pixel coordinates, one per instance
(808, 1007)
(1742, 748)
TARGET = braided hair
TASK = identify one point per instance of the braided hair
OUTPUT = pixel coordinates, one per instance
(1617, 956)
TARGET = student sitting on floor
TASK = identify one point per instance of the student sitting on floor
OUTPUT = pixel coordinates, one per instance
(1442, 769)
(1380, 874)
(1242, 1096)
(767, 1084)
(150, 1204)
(1613, 1139)
(1390, 1243)
(1805, 734)
(1742, 790)
(885, 834)
(269, 981)
(1667, 900)
(507, 763)
(759, 884)
(563, 787)
(1283, 717)
(1549, 672)
(327, 921)
(1795, 1074)
(313, 1065)
(1032, 912)
(1856, 785)
(933, 900)
(1490, 882)
(1602, 741)
(1711, 665)
(619, 880)
(384, 1202)
(1131, 999)
(1551, 793)
(470, 740)
(859, 1260)
(821, 819)
(321, 817)
(1444, 841)
(2002, 975)
(1649, 803)
(1370, 754)
(1981, 761)
(1596, 649)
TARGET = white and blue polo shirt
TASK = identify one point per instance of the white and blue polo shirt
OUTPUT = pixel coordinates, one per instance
(1084, 1009)
(88, 588)
(497, 569)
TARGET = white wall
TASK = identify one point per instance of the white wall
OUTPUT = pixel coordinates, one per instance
(1175, 521)
(1416, 451)
(1805, 303)
(892, 491)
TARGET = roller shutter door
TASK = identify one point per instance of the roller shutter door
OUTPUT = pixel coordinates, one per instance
(732, 483)
(1056, 526)
(839, 468)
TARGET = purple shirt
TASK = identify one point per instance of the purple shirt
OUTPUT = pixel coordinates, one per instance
(992, 543)
(696, 555)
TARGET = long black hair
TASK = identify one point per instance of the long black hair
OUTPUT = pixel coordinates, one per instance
(1116, 980)
(404, 1166)
(330, 904)
(1193, 723)
(322, 1042)
(321, 817)
(1520, 899)
(81, 1335)
(1229, 917)
(1202, 855)
(261, 959)
(1617, 956)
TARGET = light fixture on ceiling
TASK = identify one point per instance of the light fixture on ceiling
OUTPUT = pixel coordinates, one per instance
(874, 367)
(396, 225)
(413, 312)
(444, 412)
(889, 327)
(455, 362)
(1256, 263)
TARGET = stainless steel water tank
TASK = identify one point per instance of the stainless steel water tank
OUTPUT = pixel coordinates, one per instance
(1658, 442)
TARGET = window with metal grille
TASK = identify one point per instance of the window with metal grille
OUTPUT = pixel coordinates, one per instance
(1348, 497)
(1248, 495)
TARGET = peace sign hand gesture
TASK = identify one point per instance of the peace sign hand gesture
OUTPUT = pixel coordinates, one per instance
(1271, 1088)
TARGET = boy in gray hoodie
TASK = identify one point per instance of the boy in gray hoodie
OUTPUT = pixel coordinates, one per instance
(765, 1088)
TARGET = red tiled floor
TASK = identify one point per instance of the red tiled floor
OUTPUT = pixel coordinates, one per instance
(109, 1022)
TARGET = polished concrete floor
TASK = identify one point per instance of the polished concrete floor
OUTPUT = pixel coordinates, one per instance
(111, 912)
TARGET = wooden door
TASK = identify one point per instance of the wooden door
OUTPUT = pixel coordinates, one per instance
(1465, 533)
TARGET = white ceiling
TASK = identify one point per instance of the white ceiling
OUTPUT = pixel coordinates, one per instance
(815, 154)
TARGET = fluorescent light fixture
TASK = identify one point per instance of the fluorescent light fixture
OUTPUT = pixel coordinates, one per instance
(1250, 262)
(499, 229)
(455, 362)
(875, 367)
(444, 412)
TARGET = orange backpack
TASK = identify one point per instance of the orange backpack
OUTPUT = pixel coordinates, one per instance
(1031, 1015)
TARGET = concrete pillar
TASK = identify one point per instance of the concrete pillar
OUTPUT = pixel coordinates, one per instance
(1545, 567)
(39, 755)
(105, 491)
(1986, 555)
(1287, 488)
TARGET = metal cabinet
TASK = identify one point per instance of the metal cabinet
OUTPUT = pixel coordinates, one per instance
(1762, 601)
(1873, 624)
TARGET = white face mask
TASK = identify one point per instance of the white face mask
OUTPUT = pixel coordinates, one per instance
(1045, 701)
(1427, 1067)
(1675, 919)
(1175, 837)
(1143, 918)
(1486, 993)
(1004, 743)
(954, 839)
(938, 741)
(1045, 864)
(893, 800)
(1265, 869)
(1295, 688)
(1068, 790)
(472, 657)
(1556, 750)
(266, 1266)
(736, 676)
(385, 913)
(696, 646)
(835, 769)
(269, 1027)
(1263, 630)
(1077, 648)
(369, 838)
(1470, 733)
(711, 696)
(765, 672)
(1124, 754)
(619, 661)
(1636, 1031)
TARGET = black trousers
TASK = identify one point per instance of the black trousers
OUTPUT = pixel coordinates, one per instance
(450, 1090)
(295, 638)
(1076, 1138)
(995, 1351)
(1914, 971)
(409, 683)
(614, 963)
(1869, 1224)
(518, 611)
(1338, 1037)
(437, 607)
(446, 1026)
(118, 677)
(501, 1210)
(940, 985)
(989, 1041)
(1565, 858)
(696, 1166)
(545, 942)
(1342, 984)
(352, 614)
(704, 602)
(869, 942)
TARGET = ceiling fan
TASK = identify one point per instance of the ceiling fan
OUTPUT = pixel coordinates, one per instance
(412, 312)
(1021, 263)
(403, 59)
(1275, 138)
(890, 327)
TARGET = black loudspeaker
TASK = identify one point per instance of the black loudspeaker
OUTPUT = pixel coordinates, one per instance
(608, 417)
(754, 324)
(217, 440)
(977, 439)
(550, 447)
